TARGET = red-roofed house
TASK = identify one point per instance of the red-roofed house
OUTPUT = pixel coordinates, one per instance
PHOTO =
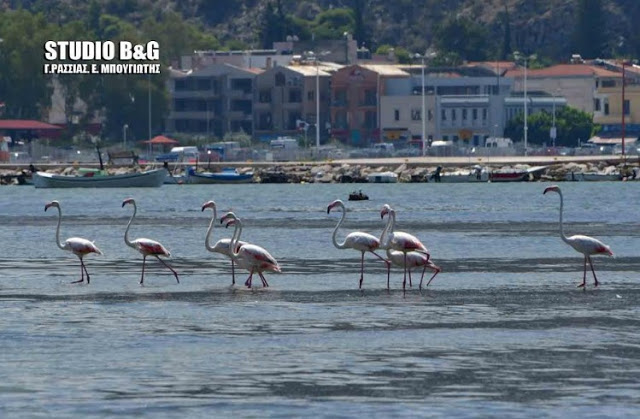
(576, 82)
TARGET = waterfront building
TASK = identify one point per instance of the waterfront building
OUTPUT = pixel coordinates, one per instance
(212, 100)
(285, 100)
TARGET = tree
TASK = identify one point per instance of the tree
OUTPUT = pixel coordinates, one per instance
(571, 125)
(506, 44)
(333, 23)
(24, 89)
(360, 32)
(463, 37)
(272, 28)
(589, 33)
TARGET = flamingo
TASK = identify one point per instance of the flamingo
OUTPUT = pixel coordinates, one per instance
(401, 241)
(146, 247)
(582, 244)
(222, 245)
(414, 260)
(76, 245)
(249, 256)
(357, 240)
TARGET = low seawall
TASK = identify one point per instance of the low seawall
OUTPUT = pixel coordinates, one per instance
(414, 169)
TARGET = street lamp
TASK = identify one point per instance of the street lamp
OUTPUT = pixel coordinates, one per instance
(125, 127)
(525, 59)
(423, 112)
(553, 132)
(313, 56)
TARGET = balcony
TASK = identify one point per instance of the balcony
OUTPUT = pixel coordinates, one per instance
(190, 94)
(191, 115)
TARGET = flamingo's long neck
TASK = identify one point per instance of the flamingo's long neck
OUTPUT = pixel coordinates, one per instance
(233, 244)
(60, 245)
(126, 232)
(335, 230)
(562, 235)
(385, 237)
(207, 243)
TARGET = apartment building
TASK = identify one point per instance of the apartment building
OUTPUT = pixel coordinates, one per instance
(577, 83)
(355, 101)
(212, 100)
(463, 104)
(287, 94)
(609, 104)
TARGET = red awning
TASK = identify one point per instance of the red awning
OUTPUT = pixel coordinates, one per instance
(26, 124)
(161, 139)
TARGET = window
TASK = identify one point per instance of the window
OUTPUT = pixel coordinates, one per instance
(370, 119)
(627, 107)
(370, 98)
(606, 107)
(295, 96)
(453, 114)
(396, 114)
(475, 114)
(484, 114)
(464, 114)
(264, 96)
(444, 115)
(608, 83)
(311, 96)
(430, 114)
(416, 115)
(596, 104)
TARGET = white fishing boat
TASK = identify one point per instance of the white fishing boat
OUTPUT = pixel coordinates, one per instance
(592, 176)
(476, 174)
(150, 178)
(382, 177)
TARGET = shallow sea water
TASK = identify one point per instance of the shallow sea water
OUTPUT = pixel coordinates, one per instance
(502, 331)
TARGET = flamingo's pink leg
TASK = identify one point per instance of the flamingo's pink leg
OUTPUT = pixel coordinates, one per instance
(169, 267)
(144, 261)
(264, 280)
(584, 276)
(592, 270)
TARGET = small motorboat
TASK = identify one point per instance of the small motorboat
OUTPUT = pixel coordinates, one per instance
(358, 196)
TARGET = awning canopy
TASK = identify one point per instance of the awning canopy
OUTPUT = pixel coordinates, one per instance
(26, 124)
(612, 140)
(161, 139)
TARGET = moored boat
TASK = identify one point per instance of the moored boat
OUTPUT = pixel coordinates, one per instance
(516, 175)
(227, 175)
(382, 177)
(150, 178)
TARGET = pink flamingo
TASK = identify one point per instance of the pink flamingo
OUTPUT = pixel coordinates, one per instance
(249, 256)
(414, 260)
(582, 244)
(400, 241)
(146, 247)
(222, 245)
(76, 245)
(357, 240)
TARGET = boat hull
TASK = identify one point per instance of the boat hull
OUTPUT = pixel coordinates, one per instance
(151, 178)
(384, 177)
(462, 178)
(221, 177)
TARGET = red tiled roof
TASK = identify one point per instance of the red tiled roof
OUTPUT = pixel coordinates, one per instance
(26, 124)
(564, 70)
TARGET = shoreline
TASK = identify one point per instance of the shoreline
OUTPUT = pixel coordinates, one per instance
(410, 169)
